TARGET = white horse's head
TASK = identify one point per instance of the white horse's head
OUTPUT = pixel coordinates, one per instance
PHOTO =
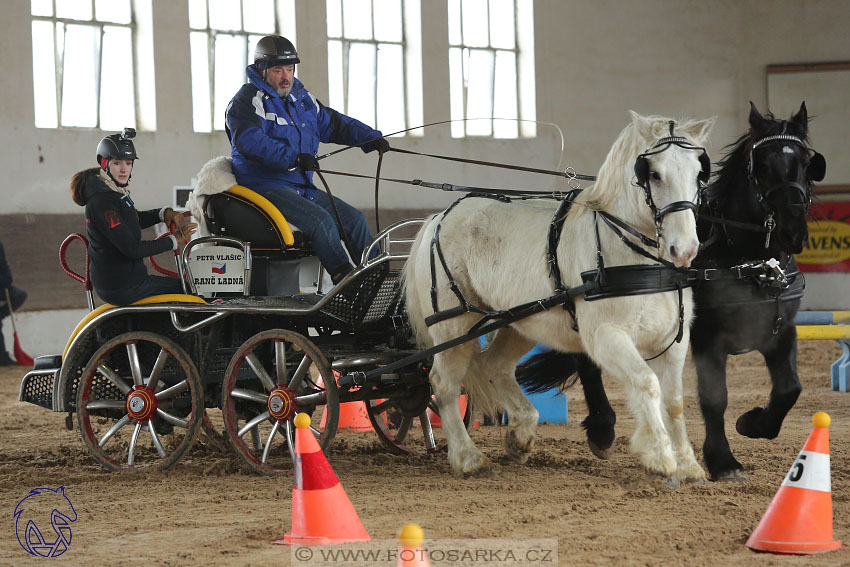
(659, 163)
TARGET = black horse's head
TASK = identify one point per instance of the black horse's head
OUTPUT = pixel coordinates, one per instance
(765, 182)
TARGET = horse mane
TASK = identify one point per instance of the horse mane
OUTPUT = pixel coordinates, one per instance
(732, 168)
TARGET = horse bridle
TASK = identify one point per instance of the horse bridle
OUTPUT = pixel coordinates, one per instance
(642, 173)
(815, 172)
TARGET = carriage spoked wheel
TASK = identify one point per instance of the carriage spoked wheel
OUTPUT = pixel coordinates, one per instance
(139, 402)
(406, 425)
(272, 377)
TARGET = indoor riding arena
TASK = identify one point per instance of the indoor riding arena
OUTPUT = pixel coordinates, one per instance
(595, 311)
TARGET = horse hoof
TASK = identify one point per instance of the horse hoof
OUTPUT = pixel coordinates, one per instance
(477, 466)
(518, 452)
(735, 475)
(664, 482)
(600, 453)
(689, 470)
(753, 424)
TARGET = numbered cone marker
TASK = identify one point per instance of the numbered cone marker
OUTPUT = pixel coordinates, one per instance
(799, 518)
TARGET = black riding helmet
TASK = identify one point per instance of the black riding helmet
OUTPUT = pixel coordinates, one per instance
(116, 146)
(274, 50)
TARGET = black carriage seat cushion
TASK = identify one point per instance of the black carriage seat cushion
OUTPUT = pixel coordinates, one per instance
(246, 215)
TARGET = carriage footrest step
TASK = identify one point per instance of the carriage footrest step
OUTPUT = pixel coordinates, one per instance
(37, 387)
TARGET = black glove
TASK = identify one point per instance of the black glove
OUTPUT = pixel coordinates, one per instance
(380, 144)
(307, 162)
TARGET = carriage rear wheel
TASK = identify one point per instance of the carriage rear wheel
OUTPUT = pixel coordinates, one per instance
(139, 402)
(272, 377)
(408, 425)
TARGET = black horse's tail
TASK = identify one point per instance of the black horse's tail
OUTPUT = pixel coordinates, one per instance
(548, 370)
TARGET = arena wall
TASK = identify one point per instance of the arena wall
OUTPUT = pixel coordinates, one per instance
(595, 60)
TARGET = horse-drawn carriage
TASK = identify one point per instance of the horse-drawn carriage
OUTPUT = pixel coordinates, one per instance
(254, 339)
(255, 336)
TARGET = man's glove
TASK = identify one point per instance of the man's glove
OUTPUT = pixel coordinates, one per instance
(380, 144)
(182, 233)
(307, 162)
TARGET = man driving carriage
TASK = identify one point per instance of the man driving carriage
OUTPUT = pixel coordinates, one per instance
(274, 126)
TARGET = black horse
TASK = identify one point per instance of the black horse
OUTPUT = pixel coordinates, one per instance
(752, 218)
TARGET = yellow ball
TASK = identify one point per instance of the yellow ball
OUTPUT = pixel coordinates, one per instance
(302, 420)
(821, 419)
(411, 535)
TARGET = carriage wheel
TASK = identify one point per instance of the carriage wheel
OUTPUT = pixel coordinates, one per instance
(139, 402)
(396, 422)
(272, 377)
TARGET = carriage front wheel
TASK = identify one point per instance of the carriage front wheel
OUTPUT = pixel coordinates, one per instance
(139, 402)
(395, 420)
(272, 377)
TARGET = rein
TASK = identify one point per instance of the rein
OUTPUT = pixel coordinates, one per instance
(569, 173)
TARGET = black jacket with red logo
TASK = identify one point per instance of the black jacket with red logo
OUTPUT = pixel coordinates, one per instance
(115, 228)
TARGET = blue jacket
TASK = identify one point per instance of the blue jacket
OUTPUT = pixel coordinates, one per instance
(267, 132)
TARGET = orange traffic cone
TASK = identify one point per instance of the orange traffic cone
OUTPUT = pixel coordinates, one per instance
(435, 419)
(411, 553)
(352, 417)
(322, 514)
(799, 518)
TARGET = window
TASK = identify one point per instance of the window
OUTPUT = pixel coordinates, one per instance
(84, 60)
(373, 71)
(222, 37)
(491, 68)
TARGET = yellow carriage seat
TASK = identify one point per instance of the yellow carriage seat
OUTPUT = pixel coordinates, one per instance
(242, 213)
(277, 247)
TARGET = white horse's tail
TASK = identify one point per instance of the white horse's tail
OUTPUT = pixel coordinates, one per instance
(413, 269)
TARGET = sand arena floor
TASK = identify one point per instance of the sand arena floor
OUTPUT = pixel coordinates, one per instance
(210, 510)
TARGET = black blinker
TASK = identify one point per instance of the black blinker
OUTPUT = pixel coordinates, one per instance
(817, 167)
(642, 170)
(705, 173)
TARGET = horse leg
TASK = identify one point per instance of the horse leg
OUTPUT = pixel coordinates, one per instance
(669, 368)
(710, 363)
(449, 371)
(497, 365)
(600, 420)
(781, 360)
(650, 441)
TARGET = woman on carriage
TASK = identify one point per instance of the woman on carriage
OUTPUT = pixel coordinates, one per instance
(116, 248)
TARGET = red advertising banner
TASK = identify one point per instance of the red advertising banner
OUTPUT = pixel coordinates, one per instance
(828, 248)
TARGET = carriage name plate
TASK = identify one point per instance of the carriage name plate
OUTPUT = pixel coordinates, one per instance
(217, 269)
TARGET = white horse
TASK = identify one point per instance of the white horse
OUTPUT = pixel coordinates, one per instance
(496, 253)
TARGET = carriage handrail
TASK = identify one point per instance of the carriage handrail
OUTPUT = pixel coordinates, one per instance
(63, 263)
(384, 237)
